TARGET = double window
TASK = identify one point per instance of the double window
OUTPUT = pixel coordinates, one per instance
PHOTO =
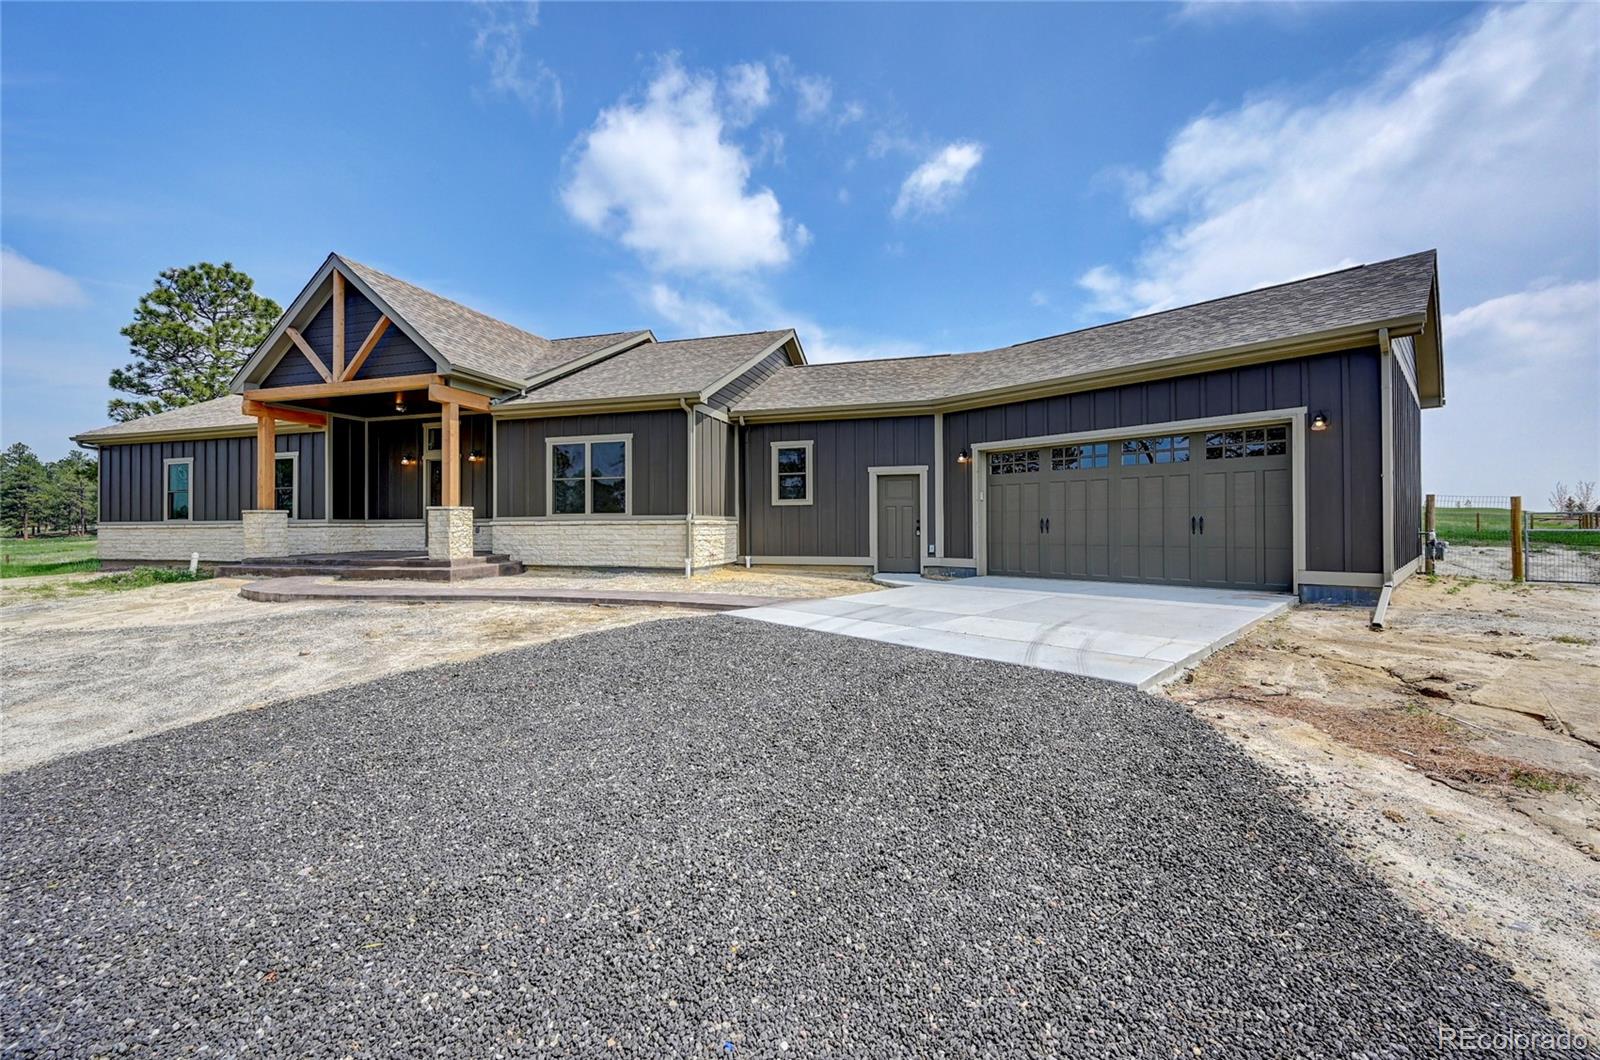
(791, 472)
(590, 476)
(180, 479)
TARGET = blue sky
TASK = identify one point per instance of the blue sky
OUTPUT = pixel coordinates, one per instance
(888, 179)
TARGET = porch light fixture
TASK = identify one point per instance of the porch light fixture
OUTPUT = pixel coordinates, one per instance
(1319, 421)
(407, 460)
(400, 401)
(475, 457)
(964, 457)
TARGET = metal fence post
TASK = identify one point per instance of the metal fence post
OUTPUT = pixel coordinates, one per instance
(1516, 539)
(1429, 528)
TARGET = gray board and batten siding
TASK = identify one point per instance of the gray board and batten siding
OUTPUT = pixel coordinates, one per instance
(395, 489)
(1344, 508)
(837, 522)
(133, 479)
(394, 355)
(1407, 468)
(660, 458)
(713, 466)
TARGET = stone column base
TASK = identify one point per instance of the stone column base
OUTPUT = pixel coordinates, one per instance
(266, 533)
(449, 533)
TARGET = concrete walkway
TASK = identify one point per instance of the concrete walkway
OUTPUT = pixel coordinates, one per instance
(1140, 635)
(284, 590)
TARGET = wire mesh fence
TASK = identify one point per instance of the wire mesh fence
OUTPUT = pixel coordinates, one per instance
(1472, 539)
(1472, 536)
(1562, 547)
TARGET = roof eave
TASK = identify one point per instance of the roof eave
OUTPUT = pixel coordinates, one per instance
(1303, 345)
(588, 405)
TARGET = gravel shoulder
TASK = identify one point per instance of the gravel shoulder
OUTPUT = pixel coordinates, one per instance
(659, 839)
(1456, 754)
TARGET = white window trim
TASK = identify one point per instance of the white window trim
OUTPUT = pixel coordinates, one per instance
(294, 497)
(587, 440)
(166, 489)
(811, 466)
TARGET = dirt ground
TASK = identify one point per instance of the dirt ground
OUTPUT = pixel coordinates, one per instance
(1456, 753)
(79, 671)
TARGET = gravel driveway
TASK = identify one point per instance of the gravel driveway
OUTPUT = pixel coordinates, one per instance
(660, 839)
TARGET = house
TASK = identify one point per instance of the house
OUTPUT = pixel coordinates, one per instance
(1266, 440)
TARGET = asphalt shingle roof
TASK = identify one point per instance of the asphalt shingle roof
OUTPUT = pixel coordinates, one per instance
(1366, 294)
(655, 369)
(474, 341)
(217, 414)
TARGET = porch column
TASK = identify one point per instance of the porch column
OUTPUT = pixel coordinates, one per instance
(266, 452)
(266, 530)
(450, 525)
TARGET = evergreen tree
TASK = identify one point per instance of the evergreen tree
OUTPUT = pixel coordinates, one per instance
(24, 490)
(189, 336)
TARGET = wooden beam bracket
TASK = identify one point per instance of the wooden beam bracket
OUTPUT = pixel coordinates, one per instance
(310, 355)
(303, 416)
(449, 395)
(367, 346)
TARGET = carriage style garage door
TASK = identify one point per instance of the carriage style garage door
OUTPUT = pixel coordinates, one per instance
(1210, 508)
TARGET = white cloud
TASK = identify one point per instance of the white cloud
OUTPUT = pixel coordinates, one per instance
(813, 96)
(698, 316)
(1516, 365)
(1038, 299)
(26, 284)
(748, 90)
(1482, 144)
(499, 42)
(932, 186)
(660, 174)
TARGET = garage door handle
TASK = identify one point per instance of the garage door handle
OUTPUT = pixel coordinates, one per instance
(1041, 526)
(1202, 526)
(1191, 524)
(1047, 525)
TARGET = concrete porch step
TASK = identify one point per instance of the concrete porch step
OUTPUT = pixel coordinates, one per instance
(451, 572)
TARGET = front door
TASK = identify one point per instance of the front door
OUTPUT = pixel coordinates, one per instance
(899, 523)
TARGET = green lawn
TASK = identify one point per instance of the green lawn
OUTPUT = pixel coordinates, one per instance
(1492, 526)
(47, 555)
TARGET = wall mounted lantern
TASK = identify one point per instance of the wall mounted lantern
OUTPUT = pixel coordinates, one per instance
(407, 460)
(1319, 421)
(964, 457)
(475, 457)
(399, 401)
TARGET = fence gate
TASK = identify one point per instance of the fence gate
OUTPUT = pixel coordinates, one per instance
(1561, 547)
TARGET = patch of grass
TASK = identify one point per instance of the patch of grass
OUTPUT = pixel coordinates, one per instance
(137, 578)
(21, 558)
(1541, 782)
(1573, 638)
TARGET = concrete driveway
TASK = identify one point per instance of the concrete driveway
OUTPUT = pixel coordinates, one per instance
(1139, 635)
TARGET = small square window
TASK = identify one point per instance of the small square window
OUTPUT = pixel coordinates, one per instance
(791, 472)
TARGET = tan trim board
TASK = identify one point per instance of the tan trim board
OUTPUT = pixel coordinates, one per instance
(1355, 579)
(938, 485)
(1407, 570)
(810, 446)
(579, 408)
(712, 413)
(197, 434)
(1386, 448)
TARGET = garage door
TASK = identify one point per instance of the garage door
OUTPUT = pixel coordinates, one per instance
(1185, 509)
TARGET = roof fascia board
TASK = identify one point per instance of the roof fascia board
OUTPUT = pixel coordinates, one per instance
(579, 408)
(706, 393)
(566, 368)
(295, 314)
(193, 434)
(1255, 353)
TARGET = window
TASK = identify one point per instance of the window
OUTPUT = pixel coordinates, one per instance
(1168, 449)
(1254, 441)
(286, 483)
(1018, 462)
(589, 476)
(180, 476)
(791, 472)
(1080, 457)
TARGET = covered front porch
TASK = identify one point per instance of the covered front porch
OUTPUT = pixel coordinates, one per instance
(407, 467)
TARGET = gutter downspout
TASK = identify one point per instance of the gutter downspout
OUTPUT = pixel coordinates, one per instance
(688, 519)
